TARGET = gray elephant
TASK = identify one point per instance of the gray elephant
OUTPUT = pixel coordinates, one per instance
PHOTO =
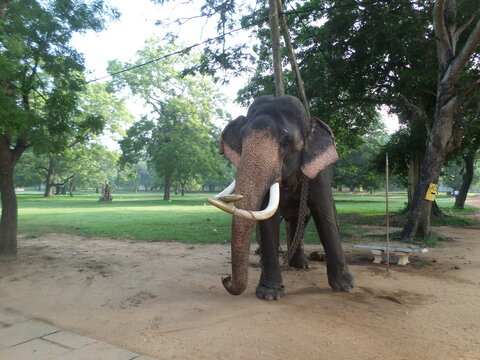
(272, 147)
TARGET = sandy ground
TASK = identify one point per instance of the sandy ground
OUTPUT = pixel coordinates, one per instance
(166, 300)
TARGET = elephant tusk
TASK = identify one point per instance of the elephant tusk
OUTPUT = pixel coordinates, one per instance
(229, 208)
(265, 213)
(225, 197)
(228, 190)
(246, 214)
(230, 198)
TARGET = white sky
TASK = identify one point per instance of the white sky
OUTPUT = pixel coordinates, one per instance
(124, 37)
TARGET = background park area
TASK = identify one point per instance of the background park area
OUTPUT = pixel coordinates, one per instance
(145, 216)
(144, 274)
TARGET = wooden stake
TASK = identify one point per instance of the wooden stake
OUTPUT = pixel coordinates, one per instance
(386, 206)
(277, 58)
(292, 58)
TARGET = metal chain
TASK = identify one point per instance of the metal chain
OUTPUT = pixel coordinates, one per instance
(302, 213)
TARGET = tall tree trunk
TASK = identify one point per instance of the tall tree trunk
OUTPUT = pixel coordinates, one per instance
(183, 189)
(50, 178)
(8, 221)
(71, 187)
(466, 181)
(413, 175)
(418, 223)
(9, 217)
(3, 8)
(440, 143)
(168, 184)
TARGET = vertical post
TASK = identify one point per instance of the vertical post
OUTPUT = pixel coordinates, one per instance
(292, 58)
(386, 208)
(277, 59)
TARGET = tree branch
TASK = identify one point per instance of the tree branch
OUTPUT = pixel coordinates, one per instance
(461, 59)
(461, 27)
(444, 45)
(470, 89)
(3, 8)
(418, 110)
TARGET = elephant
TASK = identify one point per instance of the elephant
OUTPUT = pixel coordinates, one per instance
(272, 147)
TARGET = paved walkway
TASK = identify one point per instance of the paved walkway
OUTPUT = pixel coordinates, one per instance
(23, 338)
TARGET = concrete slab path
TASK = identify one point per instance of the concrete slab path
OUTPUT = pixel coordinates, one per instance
(23, 338)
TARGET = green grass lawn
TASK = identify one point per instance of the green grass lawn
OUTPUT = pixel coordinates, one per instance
(146, 217)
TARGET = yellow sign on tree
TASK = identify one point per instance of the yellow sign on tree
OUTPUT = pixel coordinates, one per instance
(431, 192)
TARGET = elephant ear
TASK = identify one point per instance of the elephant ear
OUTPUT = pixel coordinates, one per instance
(231, 142)
(319, 151)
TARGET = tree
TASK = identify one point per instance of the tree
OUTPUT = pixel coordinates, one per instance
(41, 77)
(469, 157)
(461, 172)
(177, 136)
(136, 176)
(82, 165)
(25, 172)
(455, 89)
(356, 167)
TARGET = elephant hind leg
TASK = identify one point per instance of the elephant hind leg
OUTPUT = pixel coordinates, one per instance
(298, 260)
(322, 208)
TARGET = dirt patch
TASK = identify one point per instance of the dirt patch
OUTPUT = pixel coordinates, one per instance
(166, 300)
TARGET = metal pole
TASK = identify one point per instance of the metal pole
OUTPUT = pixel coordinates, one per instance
(386, 206)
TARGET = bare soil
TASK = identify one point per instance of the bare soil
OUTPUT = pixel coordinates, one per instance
(166, 300)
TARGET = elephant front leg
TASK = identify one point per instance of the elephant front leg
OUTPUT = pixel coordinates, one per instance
(270, 286)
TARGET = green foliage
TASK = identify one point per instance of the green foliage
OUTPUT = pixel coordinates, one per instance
(26, 173)
(98, 99)
(400, 147)
(355, 169)
(86, 165)
(42, 76)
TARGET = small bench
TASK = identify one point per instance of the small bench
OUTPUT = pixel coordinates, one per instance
(402, 252)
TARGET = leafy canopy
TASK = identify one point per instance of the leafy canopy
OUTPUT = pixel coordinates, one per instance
(41, 75)
(176, 134)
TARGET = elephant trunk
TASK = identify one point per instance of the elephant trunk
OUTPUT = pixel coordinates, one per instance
(241, 234)
(258, 169)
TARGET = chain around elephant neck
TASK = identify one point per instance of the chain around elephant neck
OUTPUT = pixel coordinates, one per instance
(302, 213)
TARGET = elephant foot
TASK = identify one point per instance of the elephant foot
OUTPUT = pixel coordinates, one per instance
(270, 292)
(299, 260)
(341, 281)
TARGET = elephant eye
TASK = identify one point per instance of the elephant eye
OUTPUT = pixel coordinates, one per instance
(285, 142)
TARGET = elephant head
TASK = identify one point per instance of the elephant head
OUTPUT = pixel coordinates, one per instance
(274, 144)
